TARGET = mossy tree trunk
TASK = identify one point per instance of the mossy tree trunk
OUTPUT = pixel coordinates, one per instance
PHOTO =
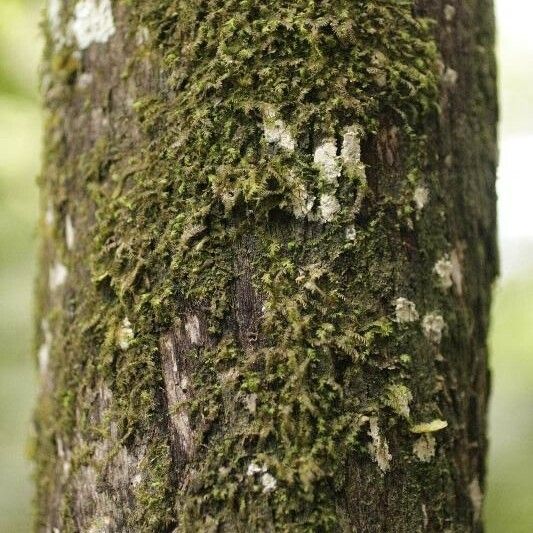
(268, 245)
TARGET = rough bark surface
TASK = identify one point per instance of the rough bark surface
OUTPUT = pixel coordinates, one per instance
(268, 242)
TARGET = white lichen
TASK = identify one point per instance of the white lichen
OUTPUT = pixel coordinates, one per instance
(85, 79)
(421, 197)
(184, 383)
(64, 455)
(223, 472)
(49, 215)
(302, 201)
(457, 270)
(450, 76)
(379, 448)
(269, 482)
(351, 146)
(250, 402)
(424, 447)
(142, 36)
(254, 468)
(350, 233)
(276, 131)
(429, 427)
(443, 269)
(93, 22)
(449, 12)
(405, 310)
(57, 275)
(329, 165)
(425, 518)
(433, 325)
(125, 334)
(44, 350)
(192, 327)
(54, 10)
(70, 235)
(351, 152)
(327, 161)
(329, 207)
(476, 497)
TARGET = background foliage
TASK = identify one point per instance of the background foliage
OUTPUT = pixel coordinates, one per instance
(510, 487)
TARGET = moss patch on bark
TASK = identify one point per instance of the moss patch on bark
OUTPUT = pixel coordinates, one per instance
(168, 217)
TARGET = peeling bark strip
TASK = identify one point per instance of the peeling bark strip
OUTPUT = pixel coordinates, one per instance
(176, 347)
(268, 241)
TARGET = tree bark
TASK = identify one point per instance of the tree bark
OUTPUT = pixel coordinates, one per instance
(268, 242)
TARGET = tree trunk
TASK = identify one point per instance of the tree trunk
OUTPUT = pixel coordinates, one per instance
(268, 245)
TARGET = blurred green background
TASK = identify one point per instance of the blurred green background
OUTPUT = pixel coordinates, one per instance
(509, 500)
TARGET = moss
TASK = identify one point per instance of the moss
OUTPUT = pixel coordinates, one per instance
(166, 220)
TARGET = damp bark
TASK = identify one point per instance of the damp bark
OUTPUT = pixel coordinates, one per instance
(268, 241)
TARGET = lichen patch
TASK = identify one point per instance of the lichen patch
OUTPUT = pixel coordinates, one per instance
(456, 258)
(476, 497)
(44, 350)
(276, 131)
(449, 12)
(85, 80)
(424, 447)
(49, 216)
(433, 325)
(93, 22)
(250, 402)
(302, 201)
(70, 234)
(421, 197)
(269, 482)
(351, 146)
(405, 310)
(350, 233)
(192, 327)
(142, 36)
(125, 334)
(351, 149)
(443, 269)
(254, 468)
(329, 207)
(450, 76)
(57, 275)
(379, 447)
(326, 160)
(54, 16)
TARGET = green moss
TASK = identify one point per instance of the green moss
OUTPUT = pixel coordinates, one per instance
(167, 219)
